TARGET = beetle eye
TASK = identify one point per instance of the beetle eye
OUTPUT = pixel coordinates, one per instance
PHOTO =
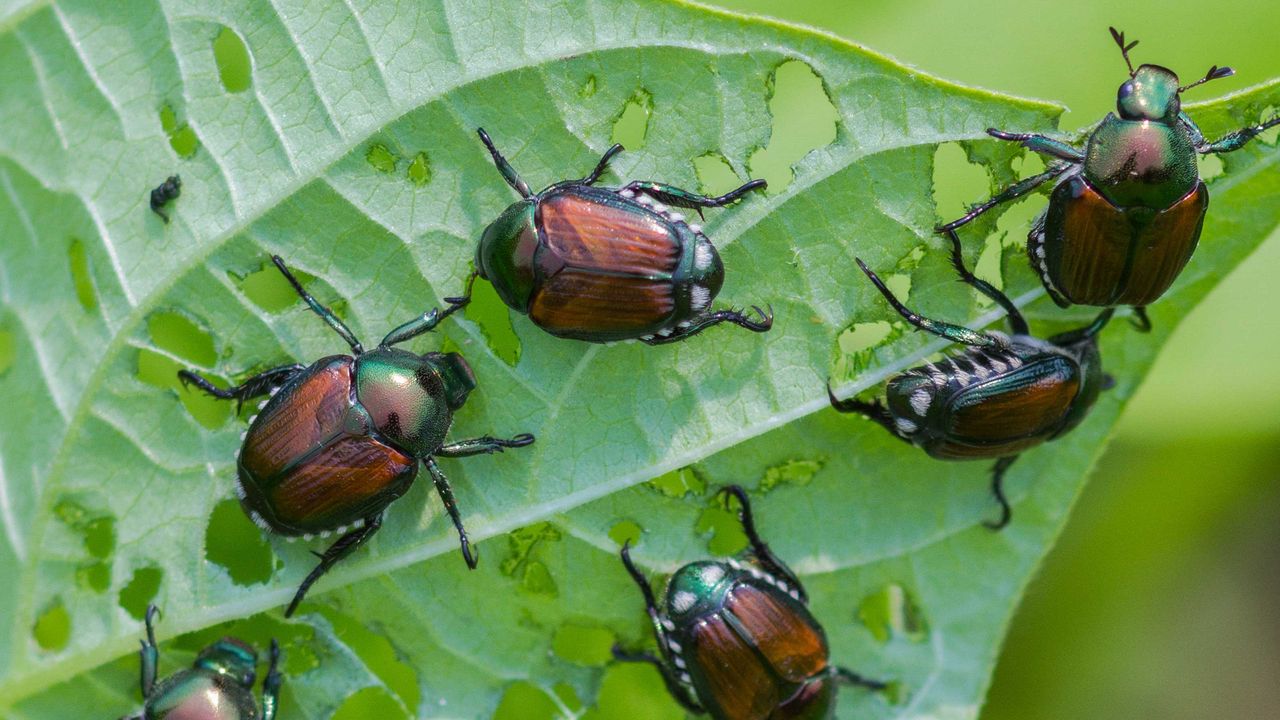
(1126, 90)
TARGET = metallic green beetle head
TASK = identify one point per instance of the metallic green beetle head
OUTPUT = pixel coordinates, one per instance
(411, 398)
(697, 588)
(231, 658)
(504, 256)
(1150, 94)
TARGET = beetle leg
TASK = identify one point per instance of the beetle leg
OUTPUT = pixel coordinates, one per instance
(508, 173)
(702, 322)
(1236, 140)
(678, 197)
(271, 684)
(997, 489)
(1071, 337)
(446, 496)
(325, 313)
(678, 689)
(954, 333)
(759, 548)
(149, 654)
(850, 677)
(874, 411)
(260, 384)
(1016, 321)
(1013, 192)
(1140, 320)
(429, 320)
(337, 551)
(1037, 143)
(602, 165)
(483, 445)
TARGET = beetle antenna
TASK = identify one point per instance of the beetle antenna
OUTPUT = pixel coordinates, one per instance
(508, 173)
(1215, 73)
(1124, 49)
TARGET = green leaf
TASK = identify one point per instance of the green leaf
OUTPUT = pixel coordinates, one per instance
(342, 137)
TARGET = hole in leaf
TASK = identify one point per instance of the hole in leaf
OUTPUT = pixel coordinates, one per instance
(864, 336)
(97, 530)
(526, 701)
(494, 318)
(8, 351)
(625, 531)
(370, 702)
(892, 612)
(1210, 167)
(182, 337)
(727, 537)
(583, 644)
(182, 138)
(568, 697)
(794, 472)
(140, 591)
(419, 172)
(989, 266)
(678, 483)
(957, 183)
(162, 371)
(381, 158)
(268, 289)
(588, 87)
(232, 541)
(900, 285)
(633, 691)
(856, 347)
(633, 123)
(78, 257)
(179, 335)
(715, 174)
(235, 68)
(184, 141)
(378, 654)
(804, 119)
(52, 630)
(1272, 134)
(521, 562)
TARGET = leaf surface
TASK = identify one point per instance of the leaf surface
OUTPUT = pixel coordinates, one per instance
(347, 145)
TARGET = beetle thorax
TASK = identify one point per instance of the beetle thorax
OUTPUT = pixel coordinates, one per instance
(200, 694)
(230, 658)
(697, 587)
(410, 398)
(505, 255)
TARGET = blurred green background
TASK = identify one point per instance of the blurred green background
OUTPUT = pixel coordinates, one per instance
(1160, 599)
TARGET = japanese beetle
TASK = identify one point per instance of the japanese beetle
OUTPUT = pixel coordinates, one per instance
(603, 264)
(219, 686)
(737, 640)
(339, 440)
(1127, 209)
(1003, 394)
(168, 190)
